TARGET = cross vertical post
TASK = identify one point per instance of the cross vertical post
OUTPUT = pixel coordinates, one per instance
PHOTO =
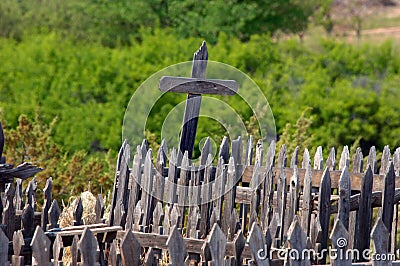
(195, 86)
(193, 102)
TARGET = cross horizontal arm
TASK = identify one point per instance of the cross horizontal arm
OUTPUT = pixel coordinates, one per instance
(198, 86)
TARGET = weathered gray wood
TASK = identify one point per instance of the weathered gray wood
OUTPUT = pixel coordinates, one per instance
(176, 247)
(22, 171)
(88, 248)
(255, 196)
(138, 216)
(249, 151)
(9, 211)
(182, 188)
(344, 159)
(176, 217)
(393, 235)
(306, 159)
(331, 161)
(40, 248)
(53, 215)
(218, 191)
(205, 211)
(193, 223)
(192, 107)
(216, 242)
(113, 257)
(293, 199)
(385, 160)
(396, 161)
(270, 158)
(282, 158)
(116, 181)
(358, 161)
(122, 192)
(344, 194)
(388, 198)
(120, 214)
(47, 203)
(281, 203)
(149, 259)
(267, 200)
(3, 248)
(159, 179)
(364, 214)
(171, 186)
(31, 193)
(295, 158)
(324, 207)
(380, 238)
(18, 195)
(99, 209)
(78, 212)
(339, 237)
(371, 161)
(224, 149)
(229, 199)
(198, 86)
(135, 179)
(74, 251)
(18, 244)
(130, 249)
(58, 250)
(147, 197)
(234, 225)
(306, 208)
(144, 148)
(158, 217)
(315, 232)
(237, 151)
(318, 159)
(239, 243)
(298, 241)
(27, 220)
(259, 152)
(257, 245)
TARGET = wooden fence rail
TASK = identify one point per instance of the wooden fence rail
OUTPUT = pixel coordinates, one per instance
(244, 207)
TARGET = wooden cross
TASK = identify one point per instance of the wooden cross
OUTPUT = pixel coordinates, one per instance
(195, 86)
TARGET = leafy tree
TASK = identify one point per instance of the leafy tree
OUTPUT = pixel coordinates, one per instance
(32, 141)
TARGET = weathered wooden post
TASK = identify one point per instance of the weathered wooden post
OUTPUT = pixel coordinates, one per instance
(195, 86)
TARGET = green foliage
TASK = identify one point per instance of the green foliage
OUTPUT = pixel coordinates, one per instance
(114, 23)
(32, 141)
(351, 90)
(298, 135)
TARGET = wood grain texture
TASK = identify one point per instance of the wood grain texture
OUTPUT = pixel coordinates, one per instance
(339, 237)
(324, 210)
(344, 197)
(364, 214)
(216, 242)
(130, 249)
(198, 86)
(256, 241)
(3, 249)
(380, 239)
(176, 247)
(40, 248)
(88, 248)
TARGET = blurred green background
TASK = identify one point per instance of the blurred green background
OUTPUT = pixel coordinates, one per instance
(329, 69)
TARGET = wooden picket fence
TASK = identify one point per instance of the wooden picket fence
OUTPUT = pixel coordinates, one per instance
(247, 208)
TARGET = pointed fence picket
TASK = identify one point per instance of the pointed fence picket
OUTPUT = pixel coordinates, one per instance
(221, 211)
